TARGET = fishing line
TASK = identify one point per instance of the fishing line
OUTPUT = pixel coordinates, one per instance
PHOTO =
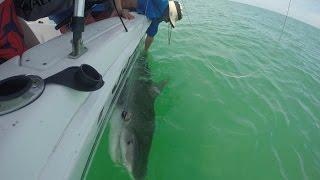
(187, 13)
(285, 20)
(213, 68)
(169, 34)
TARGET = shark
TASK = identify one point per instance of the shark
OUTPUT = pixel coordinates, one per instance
(133, 121)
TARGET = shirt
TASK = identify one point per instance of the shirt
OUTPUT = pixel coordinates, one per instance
(154, 10)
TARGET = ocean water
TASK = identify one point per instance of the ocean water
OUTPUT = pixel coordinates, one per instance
(239, 103)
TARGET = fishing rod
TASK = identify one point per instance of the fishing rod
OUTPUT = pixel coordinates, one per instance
(119, 15)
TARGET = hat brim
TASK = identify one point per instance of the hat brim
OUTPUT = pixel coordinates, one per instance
(173, 13)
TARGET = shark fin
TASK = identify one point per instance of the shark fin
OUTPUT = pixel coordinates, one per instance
(156, 89)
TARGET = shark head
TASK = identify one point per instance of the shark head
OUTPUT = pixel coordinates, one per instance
(132, 135)
(129, 149)
(134, 152)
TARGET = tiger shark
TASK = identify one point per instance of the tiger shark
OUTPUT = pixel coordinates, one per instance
(133, 123)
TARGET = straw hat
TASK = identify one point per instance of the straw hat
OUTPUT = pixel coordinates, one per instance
(175, 12)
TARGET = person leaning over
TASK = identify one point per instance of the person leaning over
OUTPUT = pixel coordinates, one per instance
(155, 10)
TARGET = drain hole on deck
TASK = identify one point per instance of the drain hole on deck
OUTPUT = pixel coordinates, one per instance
(14, 87)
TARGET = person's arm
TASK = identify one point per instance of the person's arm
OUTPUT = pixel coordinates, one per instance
(123, 12)
(148, 42)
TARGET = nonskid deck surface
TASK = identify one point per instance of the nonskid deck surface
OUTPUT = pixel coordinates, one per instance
(52, 137)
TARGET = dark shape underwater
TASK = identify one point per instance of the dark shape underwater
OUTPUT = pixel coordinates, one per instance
(133, 123)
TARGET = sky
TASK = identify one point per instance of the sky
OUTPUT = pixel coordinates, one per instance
(307, 11)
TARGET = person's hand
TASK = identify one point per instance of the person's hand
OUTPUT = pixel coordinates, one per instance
(126, 14)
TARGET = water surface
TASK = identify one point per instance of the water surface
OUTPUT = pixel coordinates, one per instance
(240, 104)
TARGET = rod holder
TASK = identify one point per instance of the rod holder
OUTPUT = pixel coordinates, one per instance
(77, 26)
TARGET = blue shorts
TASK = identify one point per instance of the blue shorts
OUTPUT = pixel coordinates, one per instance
(153, 28)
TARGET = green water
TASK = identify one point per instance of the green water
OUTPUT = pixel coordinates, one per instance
(240, 104)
